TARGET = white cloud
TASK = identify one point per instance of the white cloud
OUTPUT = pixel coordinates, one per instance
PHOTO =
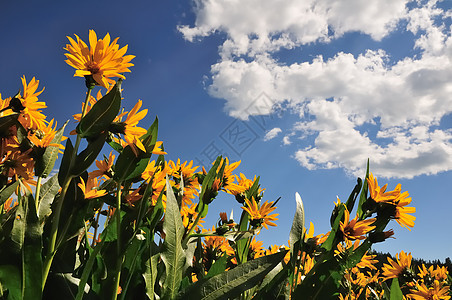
(271, 134)
(378, 108)
(286, 140)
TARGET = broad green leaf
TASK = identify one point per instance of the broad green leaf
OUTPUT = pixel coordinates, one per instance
(10, 280)
(19, 225)
(150, 137)
(218, 267)
(396, 292)
(363, 196)
(65, 162)
(173, 255)
(150, 275)
(44, 164)
(129, 166)
(31, 252)
(208, 182)
(273, 283)
(232, 283)
(296, 232)
(84, 160)
(332, 240)
(7, 191)
(7, 122)
(242, 244)
(352, 198)
(48, 192)
(102, 113)
(322, 282)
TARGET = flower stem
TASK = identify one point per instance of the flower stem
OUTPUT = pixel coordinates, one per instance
(118, 243)
(59, 205)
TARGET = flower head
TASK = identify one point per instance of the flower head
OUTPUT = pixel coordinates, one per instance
(28, 106)
(260, 215)
(436, 292)
(102, 60)
(398, 267)
(354, 229)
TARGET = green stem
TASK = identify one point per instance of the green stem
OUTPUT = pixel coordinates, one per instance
(118, 243)
(195, 223)
(95, 229)
(38, 190)
(56, 220)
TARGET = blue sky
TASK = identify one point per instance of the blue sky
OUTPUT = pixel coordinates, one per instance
(303, 92)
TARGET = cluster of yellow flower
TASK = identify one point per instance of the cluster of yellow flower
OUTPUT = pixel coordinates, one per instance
(366, 279)
(148, 190)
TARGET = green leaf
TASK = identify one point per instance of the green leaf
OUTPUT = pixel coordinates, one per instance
(150, 275)
(129, 165)
(31, 252)
(10, 280)
(232, 283)
(363, 196)
(7, 122)
(396, 292)
(322, 282)
(89, 155)
(273, 283)
(7, 191)
(242, 244)
(19, 225)
(150, 137)
(352, 198)
(218, 266)
(332, 239)
(173, 255)
(48, 192)
(102, 113)
(87, 270)
(296, 232)
(65, 162)
(44, 164)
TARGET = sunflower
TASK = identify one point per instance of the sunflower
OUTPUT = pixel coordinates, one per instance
(402, 212)
(101, 60)
(43, 137)
(104, 167)
(379, 194)
(260, 215)
(354, 229)
(129, 128)
(28, 106)
(398, 267)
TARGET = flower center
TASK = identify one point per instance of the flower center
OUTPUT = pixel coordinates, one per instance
(93, 67)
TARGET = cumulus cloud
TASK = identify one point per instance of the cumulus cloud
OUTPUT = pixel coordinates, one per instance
(271, 134)
(354, 106)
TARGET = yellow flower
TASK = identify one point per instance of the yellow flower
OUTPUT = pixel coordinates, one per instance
(355, 230)
(29, 108)
(129, 128)
(260, 215)
(89, 189)
(104, 167)
(101, 60)
(43, 137)
(402, 213)
(379, 194)
(396, 268)
(437, 292)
